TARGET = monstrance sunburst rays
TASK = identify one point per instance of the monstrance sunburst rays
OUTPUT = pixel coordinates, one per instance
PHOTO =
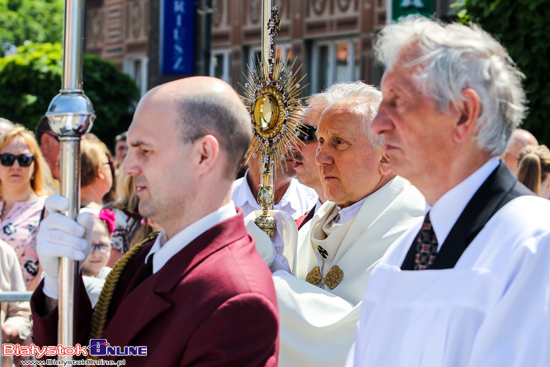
(276, 97)
(271, 95)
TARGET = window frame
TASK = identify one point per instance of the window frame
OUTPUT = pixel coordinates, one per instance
(352, 74)
(226, 67)
(129, 67)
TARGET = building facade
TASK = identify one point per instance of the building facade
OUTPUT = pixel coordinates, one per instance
(118, 31)
(331, 39)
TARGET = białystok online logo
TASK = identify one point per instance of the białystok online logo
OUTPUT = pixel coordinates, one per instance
(97, 347)
(100, 347)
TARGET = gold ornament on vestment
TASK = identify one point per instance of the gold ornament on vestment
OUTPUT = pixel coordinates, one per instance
(333, 278)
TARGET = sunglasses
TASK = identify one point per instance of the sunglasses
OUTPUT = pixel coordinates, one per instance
(101, 247)
(55, 136)
(306, 132)
(7, 159)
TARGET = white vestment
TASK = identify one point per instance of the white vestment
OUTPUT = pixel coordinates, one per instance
(491, 309)
(318, 324)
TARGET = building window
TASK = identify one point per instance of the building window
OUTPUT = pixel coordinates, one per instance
(136, 67)
(254, 57)
(220, 65)
(335, 61)
(283, 52)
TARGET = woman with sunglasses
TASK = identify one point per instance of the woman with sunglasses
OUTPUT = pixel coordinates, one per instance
(23, 190)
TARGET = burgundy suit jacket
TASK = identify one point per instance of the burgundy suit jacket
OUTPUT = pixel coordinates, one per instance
(211, 304)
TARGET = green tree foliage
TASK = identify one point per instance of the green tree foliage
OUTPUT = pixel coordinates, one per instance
(37, 21)
(523, 27)
(30, 79)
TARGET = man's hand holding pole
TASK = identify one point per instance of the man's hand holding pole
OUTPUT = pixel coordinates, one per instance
(59, 236)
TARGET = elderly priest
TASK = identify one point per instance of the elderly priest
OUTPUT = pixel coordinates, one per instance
(368, 208)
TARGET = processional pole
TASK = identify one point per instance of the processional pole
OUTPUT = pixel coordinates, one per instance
(272, 98)
(267, 12)
(70, 115)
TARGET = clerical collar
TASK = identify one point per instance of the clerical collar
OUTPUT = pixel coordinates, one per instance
(349, 212)
(164, 249)
(447, 209)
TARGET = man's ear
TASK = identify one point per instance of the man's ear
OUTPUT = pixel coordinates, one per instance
(385, 167)
(468, 113)
(207, 149)
(44, 143)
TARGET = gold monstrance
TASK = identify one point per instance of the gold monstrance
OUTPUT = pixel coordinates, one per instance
(271, 96)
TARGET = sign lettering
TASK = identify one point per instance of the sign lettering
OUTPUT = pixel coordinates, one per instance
(178, 37)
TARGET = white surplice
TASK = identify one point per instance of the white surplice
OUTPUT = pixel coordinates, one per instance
(318, 324)
(491, 309)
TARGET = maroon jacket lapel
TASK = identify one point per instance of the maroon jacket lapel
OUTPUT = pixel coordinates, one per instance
(152, 297)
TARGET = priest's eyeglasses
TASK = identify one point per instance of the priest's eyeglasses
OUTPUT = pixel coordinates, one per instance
(306, 132)
(8, 159)
(101, 247)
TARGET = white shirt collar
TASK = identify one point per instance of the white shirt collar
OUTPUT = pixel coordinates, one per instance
(447, 209)
(296, 201)
(345, 214)
(242, 193)
(164, 249)
(288, 199)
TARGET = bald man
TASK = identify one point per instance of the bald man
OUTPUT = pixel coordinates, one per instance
(198, 293)
(520, 138)
(49, 145)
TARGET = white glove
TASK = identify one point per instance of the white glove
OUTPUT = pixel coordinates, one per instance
(284, 239)
(60, 236)
(264, 246)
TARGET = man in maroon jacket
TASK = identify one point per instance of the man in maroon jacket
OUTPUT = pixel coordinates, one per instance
(210, 300)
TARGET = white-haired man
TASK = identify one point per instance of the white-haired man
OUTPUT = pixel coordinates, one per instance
(368, 208)
(467, 285)
(304, 154)
(520, 139)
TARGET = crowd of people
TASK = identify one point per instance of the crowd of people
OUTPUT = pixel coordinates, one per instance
(409, 229)
(29, 174)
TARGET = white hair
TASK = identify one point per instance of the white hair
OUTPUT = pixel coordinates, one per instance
(364, 100)
(454, 57)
